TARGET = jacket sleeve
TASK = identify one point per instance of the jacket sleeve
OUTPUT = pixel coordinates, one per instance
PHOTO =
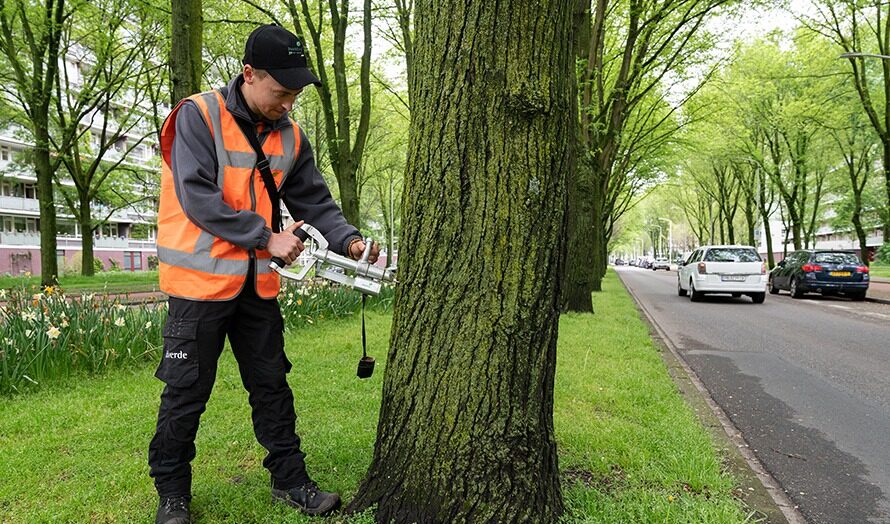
(308, 198)
(194, 165)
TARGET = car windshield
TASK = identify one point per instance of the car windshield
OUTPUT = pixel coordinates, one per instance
(835, 258)
(731, 254)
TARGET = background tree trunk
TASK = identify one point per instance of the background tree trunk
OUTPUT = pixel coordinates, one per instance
(579, 280)
(466, 423)
(30, 43)
(86, 235)
(49, 266)
(186, 65)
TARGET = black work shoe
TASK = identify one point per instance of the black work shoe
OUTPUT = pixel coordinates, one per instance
(173, 510)
(308, 498)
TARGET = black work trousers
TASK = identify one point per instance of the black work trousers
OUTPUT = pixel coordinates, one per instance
(194, 336)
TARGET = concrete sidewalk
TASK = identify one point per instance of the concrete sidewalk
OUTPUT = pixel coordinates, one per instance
(879, 290)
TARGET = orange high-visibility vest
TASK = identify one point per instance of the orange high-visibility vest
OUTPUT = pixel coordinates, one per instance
(193, 263)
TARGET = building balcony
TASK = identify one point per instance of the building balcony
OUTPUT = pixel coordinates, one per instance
(105, 243)
(74, 242)
(20, 239)
(10, 203)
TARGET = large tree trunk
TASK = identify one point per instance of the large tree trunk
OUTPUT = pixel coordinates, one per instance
(600, 242)
(767, 231)
(86, 229)
(49, 266)
(347, 178)
(186, 64)
(581, 276)
(466, 423)
(886, 159)
(750, 221)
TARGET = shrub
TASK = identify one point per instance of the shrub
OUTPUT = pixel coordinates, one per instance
(303, 305)
(74, 264)
(883, 254)
(46, 335)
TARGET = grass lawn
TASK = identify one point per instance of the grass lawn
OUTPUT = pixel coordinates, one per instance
(879, 270)
(109, 281)
(630, 448)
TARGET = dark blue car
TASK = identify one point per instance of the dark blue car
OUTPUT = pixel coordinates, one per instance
(825, 272)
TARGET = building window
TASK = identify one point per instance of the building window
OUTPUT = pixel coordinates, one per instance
(109, 230)
(5, 154)
(132, 261)
(30, 191)
(66, 229)
(142, 232)
(24, 225)
(8, 225)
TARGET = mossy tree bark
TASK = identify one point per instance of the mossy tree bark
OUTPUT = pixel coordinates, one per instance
(466, 423)
(186, 62)
(579, 281)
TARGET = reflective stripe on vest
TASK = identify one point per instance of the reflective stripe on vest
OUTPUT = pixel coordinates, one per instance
(195, 264)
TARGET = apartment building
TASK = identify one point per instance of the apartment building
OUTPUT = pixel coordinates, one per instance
(126, 240)
(827, 236)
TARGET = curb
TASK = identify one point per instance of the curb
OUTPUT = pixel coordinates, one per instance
(764, 494)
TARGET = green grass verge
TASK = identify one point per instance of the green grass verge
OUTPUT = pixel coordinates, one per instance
(879, 270)
(630, 448)
(634, 447)
(111, 282)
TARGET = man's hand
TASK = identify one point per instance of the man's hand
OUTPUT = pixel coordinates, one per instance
(357, 248)
(286, 245)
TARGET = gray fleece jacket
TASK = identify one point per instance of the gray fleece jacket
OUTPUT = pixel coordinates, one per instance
(194, 166)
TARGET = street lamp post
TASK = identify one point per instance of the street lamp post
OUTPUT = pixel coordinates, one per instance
(670, 239)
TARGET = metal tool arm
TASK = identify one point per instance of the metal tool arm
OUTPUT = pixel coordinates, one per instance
(365, 277)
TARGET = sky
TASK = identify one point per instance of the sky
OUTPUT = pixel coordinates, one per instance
(758, 22)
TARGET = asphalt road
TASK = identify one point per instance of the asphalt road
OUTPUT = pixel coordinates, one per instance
(807, 382)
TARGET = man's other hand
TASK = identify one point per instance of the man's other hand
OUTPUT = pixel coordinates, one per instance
(357, 248)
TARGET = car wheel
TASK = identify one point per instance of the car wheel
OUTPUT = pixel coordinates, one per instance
(758, 298)
(694, 295)
(773, 290)
(859, 295)
(680, 291)
(736, 295)
(796, 292)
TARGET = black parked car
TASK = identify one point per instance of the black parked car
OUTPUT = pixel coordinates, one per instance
(826, 272)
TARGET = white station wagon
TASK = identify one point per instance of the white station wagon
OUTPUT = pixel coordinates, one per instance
(735, 270)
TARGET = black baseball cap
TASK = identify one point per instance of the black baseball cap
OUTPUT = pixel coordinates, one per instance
(275, 49)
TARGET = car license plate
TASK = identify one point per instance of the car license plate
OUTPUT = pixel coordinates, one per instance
(734, 278)
(840, 273)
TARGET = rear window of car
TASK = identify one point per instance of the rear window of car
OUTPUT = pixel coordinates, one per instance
(731, 254)
(835, 258)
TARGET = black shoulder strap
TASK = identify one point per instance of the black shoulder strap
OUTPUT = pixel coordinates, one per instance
(262, 165)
